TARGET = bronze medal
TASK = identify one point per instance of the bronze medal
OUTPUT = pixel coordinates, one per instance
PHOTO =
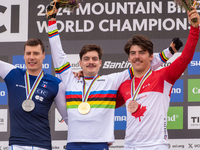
(132, 106)
(28, 105)
(84, 108)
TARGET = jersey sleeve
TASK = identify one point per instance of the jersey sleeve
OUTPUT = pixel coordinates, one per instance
(160, 58)
(62, 66)
(119, 100)
(175, 70)
(5, 68)
(60, 102)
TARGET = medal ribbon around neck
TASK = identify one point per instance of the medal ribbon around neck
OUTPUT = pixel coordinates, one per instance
(85, 93)
(135, 93)
(30, 91)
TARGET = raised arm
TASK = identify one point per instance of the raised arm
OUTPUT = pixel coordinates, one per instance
(5, 68)
(166, 54)
(62, 66)
(175, 70)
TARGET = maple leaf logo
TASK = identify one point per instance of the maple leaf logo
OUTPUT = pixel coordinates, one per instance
(140, 112)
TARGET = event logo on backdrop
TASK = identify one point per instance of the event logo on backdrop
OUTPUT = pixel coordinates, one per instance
(193, 117)
(194, 66)
(18, 61)
(175, 118)
(3, 94)
(193, 90)
(14, 20)
(177, 91)
(3, 120)
(120, 118)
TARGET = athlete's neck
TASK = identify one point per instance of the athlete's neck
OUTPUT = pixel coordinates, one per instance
(139, 74)
(34, 73)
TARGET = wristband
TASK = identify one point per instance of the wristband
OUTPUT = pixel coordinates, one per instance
(171, 50)
(52, 16)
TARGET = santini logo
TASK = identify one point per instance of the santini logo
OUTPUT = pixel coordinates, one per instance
(110, 64)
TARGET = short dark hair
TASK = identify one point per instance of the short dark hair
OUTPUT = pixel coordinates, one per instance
(35, 42)
(140, 40)
(89, 48)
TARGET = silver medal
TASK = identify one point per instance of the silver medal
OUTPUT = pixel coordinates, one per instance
(28, 105)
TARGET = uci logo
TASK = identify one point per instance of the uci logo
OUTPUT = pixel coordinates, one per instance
(14, 20)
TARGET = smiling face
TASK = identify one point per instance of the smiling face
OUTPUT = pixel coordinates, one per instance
(140, 60)
(34, 56)
(90, 63)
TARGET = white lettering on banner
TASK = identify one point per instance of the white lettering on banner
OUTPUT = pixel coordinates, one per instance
(172, 118)
(2, 93)
(117, 25)
(167, 24)
(176, 90)
(196, 90)
(120, 118)
(45, 66)
(42, 27)
(23, 66)
(110, 64)
(120, 8)
(195, 63)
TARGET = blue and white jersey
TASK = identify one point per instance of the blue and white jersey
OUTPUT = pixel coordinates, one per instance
(31, 128)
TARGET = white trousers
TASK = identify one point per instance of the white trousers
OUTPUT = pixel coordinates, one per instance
(17, 147)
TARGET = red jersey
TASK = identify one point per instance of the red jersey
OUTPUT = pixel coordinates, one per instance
(148, 125)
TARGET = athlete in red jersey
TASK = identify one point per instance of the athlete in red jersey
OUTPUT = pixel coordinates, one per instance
(147, 95)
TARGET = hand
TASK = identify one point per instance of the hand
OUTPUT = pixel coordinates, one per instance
(109, 144)
(79, 74)
(176, 45)
(52, 9)
(193, 14)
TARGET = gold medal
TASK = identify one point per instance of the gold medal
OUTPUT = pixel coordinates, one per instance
(132, 106)
(84, 108)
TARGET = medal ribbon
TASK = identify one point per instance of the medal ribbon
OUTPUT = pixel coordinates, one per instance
(31, 91)
(85, 93)
(135, 93)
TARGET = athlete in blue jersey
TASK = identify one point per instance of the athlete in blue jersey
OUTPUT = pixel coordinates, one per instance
(31, 93)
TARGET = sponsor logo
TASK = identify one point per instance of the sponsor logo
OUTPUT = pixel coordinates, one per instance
(3, 120)
(14, 20)
(120, 118)
(193, 67)
(193, 90)
(175, 118)
(3, 94)
(177, 91)
(193, 117)
(18, 61)
(74, 62)
(111, 65)
(42, 92)
(37, 97)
